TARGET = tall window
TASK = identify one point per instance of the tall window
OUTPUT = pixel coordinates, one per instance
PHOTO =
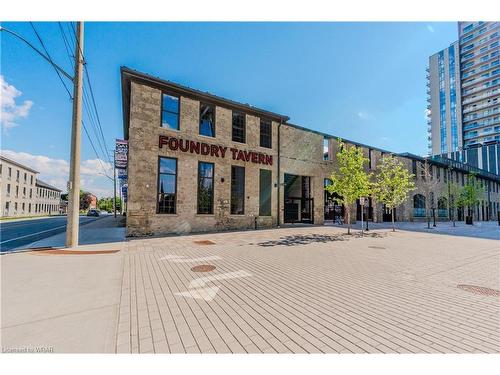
(370, 158)
(237, 190)
(265, 185)
(207, 120)
(167, 185)
(205, 188)
(31, 180)
(239, 127)
(266, 136)
(170, 112)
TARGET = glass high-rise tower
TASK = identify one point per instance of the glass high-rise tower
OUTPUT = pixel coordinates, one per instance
(464, 97)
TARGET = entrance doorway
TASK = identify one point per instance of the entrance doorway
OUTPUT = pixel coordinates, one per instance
(299, 205)
(387, 213)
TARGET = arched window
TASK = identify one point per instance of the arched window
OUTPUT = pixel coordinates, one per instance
(442, 207)
(418, 205)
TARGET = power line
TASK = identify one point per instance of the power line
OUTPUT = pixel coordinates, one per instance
(66, 45)
(50, 59)
(57, 67)
(92, 144)
(90, 115)
(89, 83)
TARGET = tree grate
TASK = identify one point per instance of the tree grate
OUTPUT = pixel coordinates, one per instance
(204, 242)
(203, 268)
(479, 290)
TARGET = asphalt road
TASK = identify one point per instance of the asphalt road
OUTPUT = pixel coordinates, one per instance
(21, 233)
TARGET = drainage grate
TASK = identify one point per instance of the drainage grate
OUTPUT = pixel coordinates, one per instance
(52, 251)
(479, 290)
(204, 242)
(203, 268)
(376, 247)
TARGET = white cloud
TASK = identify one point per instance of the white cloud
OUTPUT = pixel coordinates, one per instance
(10, 110)
(430, 28)
(56, 171)
(365, 115)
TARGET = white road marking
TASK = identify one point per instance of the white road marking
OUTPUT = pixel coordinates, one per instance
(201, 282)
(182, 259)
(170, 256)
(206, 294)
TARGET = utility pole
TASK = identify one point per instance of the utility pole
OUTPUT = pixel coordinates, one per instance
(76, 133)
(114, 184)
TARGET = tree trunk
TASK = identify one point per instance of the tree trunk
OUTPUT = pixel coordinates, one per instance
(348, 220)
(392, 216)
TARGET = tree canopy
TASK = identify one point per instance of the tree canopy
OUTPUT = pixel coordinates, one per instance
(392, 183)
(349, 181)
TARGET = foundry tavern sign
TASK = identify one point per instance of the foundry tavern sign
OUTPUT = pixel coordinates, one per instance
(201, 148)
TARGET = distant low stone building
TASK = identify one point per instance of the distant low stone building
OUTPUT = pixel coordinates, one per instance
(48, 199)
(22, 194)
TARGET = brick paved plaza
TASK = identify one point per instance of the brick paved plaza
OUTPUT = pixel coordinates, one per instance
(290, 290)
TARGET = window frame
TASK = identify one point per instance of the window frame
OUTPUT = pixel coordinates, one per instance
(198, 189)
(213, 120)
(164, 110)
(231, 191)
(243, 114)
(270, 123)
(158, 185)
(270, 192)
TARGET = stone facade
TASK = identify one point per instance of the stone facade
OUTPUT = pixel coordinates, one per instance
(295, 151)
(144, 132)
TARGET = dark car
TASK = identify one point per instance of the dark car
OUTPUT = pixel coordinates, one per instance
(93, 213)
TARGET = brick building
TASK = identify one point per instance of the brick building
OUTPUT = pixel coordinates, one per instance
(198, 162)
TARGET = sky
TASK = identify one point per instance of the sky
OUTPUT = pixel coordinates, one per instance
(361, 81)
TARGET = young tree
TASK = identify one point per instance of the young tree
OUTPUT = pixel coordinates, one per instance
(471, 193)
(429, 185)
(349, 180)
(454, 201)
(393, 182)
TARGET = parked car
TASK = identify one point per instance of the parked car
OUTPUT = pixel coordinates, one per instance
(93, 212)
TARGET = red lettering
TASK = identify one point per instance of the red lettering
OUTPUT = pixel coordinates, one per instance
(248, 154)
(183, 145)
(234, 151)
(194, 147)
(269, 159)
(214, 150)
(241, 156)
(222, 151)
(205, 149)
(255, 158)
(262, 159)
(162, 141)
(173, 143)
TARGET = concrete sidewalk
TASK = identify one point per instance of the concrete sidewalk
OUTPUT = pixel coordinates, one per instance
(480, 229)
(288, 290)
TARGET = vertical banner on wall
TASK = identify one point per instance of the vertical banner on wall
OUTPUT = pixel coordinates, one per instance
(121, 154)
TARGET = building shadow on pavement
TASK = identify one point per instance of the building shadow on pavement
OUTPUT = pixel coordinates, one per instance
(306, 239)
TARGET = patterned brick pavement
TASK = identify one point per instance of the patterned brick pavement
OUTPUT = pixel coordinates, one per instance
(309, 290)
